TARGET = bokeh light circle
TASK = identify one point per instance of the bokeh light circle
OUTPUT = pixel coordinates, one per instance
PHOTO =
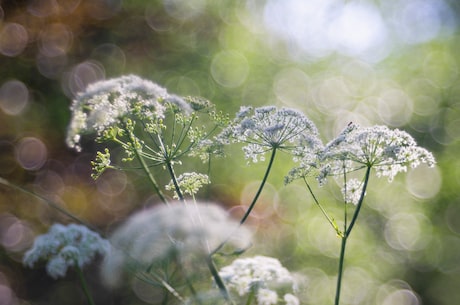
(13, 39)
(31, 153)
(424, 182)
(229, 68)
(14, 97)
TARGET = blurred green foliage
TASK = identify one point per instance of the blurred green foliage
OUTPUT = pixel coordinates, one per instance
(406, 246)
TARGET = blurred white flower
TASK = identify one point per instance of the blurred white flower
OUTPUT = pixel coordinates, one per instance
(65, 246)
(265, 128)
(166, 232)
(105, 103)
(264, 275)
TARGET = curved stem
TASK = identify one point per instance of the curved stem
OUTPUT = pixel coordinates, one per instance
(48, 202)
(262, 184)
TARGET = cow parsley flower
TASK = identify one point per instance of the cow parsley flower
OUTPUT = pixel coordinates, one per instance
(264, 276)
(266, 128)
(387, 151)
(65, 246)
(104, 104)
(188, 183)
(156, 235)
(352, 190)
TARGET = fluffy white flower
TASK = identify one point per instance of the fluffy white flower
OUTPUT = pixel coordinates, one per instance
(266, 297)
(65, 246)
(164, 232)
(103, 104)
(265, 128)
(352, 191)
(387, 151)
(263, 274)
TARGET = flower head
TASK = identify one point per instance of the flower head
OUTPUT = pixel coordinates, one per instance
(65, 246)
(387, 151)
(105, 103)
(352, 190)
(189, 183)
(161, 233)
(263, 274)
(266, 128)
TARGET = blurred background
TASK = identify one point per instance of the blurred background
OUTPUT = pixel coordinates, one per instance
(392, 62)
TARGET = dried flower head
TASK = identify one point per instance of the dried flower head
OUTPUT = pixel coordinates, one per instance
(65, 246)
(165, 232)
(104, 104)
(263, 275)
(265, 128)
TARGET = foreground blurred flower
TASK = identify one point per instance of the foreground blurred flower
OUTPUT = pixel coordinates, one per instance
(160, 234)
(262, 277)
(65, 246)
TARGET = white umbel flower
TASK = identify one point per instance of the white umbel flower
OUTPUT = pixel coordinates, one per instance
(163, 232)
(105, 103)
(65, 246)
(263, 275)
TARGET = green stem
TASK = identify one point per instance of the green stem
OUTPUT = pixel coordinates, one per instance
(174, 179)
(146, 168)
(85, 286)
(329, 219)
(340, 272)
(347, 234)
(215, 274)
(262, 184)
(47, 201)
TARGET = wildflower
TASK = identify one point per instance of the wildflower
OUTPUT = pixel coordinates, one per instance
(263, 274)
(65, 246)
(265, 128)
(352, 190)
(189, 183)
(387, 151)
(104, 104)
(161, 233)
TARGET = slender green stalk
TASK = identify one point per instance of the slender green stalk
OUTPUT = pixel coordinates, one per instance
(47, 201)
(146, 168)
(262, 184)
(215, 274)
(250, 296)
(251, 206)
(84, 285)
(174, 180)
(347, 234)
(340, 272)
(329, 219)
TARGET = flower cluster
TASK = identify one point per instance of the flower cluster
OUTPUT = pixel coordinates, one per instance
(352, 190)
(188, 183)
(103, 105)
(387, 151)
(163, 232)
(262, 276)
(65, 246)
(265, 128)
